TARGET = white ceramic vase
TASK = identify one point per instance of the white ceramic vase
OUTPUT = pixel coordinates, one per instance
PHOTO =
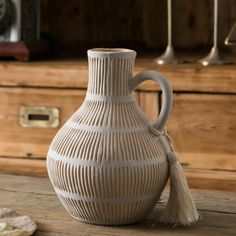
(105, 164)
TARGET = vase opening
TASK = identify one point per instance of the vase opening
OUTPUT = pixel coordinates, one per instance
(111, 52)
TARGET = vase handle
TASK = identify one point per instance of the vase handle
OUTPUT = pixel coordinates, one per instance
(166, 90)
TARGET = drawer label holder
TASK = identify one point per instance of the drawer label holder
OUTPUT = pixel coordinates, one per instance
(39, 117)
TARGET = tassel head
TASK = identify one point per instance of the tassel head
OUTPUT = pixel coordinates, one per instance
(181, 209)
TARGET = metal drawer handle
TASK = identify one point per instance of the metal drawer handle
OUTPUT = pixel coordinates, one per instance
(39, 117)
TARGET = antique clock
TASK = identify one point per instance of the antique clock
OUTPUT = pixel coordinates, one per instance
(20, 29)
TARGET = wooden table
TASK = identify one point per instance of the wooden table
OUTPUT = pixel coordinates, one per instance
(35, 197)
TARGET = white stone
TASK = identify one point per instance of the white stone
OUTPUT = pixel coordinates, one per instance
(13, 225)
(4, 226)
(7, 213)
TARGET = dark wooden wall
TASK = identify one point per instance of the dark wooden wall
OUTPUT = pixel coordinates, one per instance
(76, 25)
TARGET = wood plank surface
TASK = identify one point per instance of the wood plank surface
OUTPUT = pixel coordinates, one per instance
(34, 196)
(202, 123)
(211, 179)
(149, 103)
(74, 74)
(27, 166)
(17, 141)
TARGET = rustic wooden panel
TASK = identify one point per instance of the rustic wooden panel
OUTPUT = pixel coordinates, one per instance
(77, 25)
(203, 128)
(33, 167)
(211, 179)
(149, 103)
(74, 74)
(16, 141)
(69, 74)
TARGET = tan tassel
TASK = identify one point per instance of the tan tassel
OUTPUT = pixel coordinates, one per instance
(181, 209)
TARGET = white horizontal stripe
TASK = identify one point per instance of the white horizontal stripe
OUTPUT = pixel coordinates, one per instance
(53, 155)
(77, 197)
(95, 97)
(91, 128)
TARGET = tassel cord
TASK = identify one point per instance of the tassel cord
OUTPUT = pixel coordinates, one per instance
(181, 209)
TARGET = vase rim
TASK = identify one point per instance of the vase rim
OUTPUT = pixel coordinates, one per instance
(111, 52)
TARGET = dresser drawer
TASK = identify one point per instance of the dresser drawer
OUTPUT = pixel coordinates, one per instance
(30, 142)
(205, 127)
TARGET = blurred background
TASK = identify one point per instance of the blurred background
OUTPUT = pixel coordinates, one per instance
(76, 25)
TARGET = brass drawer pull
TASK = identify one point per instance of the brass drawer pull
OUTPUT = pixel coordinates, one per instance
(39, 117)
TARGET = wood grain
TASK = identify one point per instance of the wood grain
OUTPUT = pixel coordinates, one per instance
(74, 74)
(202, 126)
(211, 179)
(136, 24)
(149, 103)
(194, 78)
(27, 166)
(17, 141)
(34, 196)
(201, 123)
(203, 130)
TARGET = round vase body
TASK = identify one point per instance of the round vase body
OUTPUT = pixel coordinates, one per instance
(104, 163)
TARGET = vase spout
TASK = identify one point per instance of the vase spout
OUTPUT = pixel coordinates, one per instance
(109, 71)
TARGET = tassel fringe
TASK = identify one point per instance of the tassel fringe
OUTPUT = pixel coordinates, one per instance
(181, 209)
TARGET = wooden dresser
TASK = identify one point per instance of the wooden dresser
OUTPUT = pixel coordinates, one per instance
(202, 123)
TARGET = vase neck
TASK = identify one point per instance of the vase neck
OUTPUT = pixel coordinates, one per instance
(108, 76)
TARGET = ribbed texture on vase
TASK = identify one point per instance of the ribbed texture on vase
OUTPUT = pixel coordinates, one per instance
(109, 76)
(105, 165)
